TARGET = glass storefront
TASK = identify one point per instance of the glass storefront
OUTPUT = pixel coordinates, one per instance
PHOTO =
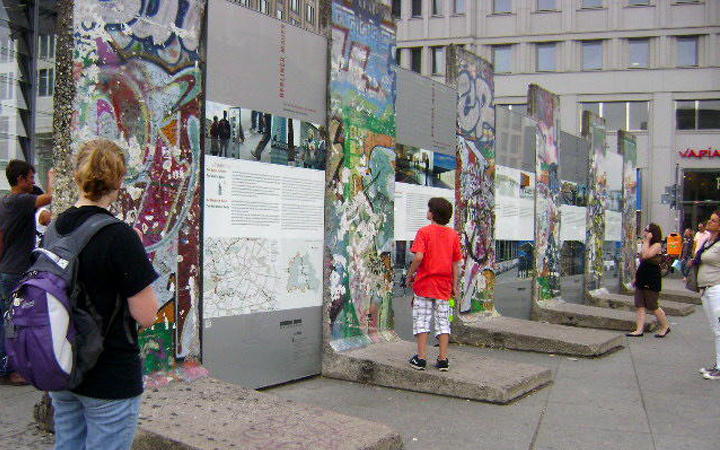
(700, 195)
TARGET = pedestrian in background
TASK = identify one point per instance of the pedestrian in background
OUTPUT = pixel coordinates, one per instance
(699, 238)
(648, 283)
(687, 252)
(102, 412)
(708, 277)
(17, 241)
(433, 276)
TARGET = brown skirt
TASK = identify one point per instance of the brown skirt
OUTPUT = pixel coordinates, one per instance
(645, 298)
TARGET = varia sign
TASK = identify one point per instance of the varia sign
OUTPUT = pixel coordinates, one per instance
(700, 153)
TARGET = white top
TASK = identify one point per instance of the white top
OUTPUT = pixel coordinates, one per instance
(39, 229)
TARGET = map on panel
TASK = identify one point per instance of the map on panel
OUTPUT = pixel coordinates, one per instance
(302, 276)
(241, 276)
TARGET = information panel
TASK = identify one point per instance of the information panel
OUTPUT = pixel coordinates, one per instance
(572, 223)
(263, 237)
(425, 113)
(613, 226)
(514, 204)
(264, 64)
(411, 208)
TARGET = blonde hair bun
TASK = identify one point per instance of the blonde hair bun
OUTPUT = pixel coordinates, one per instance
(100, 168)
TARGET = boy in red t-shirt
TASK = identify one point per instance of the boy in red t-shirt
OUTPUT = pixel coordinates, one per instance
(433, 275)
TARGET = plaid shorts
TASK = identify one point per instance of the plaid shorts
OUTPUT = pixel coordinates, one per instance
(425, 308)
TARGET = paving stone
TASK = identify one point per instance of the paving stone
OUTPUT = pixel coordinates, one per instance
(564, 313)
(518, 334)
(209, 414)
(627, 303)
(471, 376)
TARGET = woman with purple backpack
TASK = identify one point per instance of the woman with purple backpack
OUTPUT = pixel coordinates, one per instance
(116, 274)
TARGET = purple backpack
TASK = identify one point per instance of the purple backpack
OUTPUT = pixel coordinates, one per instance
(53, 340)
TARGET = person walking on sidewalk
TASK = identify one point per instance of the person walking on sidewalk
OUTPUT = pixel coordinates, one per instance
(102, 413)
(708, 277)
(17, 241)
(648, 283)
(433, 276)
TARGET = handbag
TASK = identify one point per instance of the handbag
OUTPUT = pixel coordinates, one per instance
(691, 282)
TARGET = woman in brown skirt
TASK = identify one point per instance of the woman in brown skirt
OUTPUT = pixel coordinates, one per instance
(648, 283)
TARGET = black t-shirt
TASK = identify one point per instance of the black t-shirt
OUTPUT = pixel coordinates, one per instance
(17, 222)
(113, 262)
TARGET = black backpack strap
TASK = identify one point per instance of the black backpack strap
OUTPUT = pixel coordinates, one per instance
(61, 251)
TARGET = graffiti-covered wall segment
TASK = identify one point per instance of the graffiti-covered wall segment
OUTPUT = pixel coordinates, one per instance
(474, 190)
(360, 174)
(594, 131)
(139, 83)
(628, 264)
(543, 106)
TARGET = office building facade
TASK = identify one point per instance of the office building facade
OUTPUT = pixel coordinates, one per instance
(651, 67)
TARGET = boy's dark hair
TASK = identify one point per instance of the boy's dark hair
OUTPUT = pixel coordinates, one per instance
(16, 169)
(440, 209)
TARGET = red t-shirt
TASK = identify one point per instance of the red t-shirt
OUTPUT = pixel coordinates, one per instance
(441, 248)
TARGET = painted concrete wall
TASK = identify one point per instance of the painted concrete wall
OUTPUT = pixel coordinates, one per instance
(475, 177)
(627, 147)
(137, 79)
(360, 176)
(543, 106)
(594, 131)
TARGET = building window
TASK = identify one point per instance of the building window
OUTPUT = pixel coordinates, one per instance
(4, 138)
(639, 52)
(7, 86)
(458, 7)
(46, 86)
(502, 6)
(437, 7)
(264, 6)
(592, 55)
(438, 60)
(398, 54)
(295, 22)
(310, 14)
(546, 5)
(416, 59)
(7, 49)
(502, 58)
(416, 8)
(46, 44)
(519, 108)
(687, 51)
(638, 2)
(396, 8)
(697, 114)
(546, 57)
(279, 14)
(592, 4)
(295, 6)
(631, 116)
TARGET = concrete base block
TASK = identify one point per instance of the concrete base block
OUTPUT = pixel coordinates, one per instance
(563, 313)
(683, 296)
(208, 414)
(470, 376)
(627, 303)
(517, 334)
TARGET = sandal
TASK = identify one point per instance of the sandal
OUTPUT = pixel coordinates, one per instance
(658, 335)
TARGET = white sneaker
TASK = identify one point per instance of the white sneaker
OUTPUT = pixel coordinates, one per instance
(712, 375)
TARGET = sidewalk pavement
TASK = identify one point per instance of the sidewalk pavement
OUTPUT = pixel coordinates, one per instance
(648, 396)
